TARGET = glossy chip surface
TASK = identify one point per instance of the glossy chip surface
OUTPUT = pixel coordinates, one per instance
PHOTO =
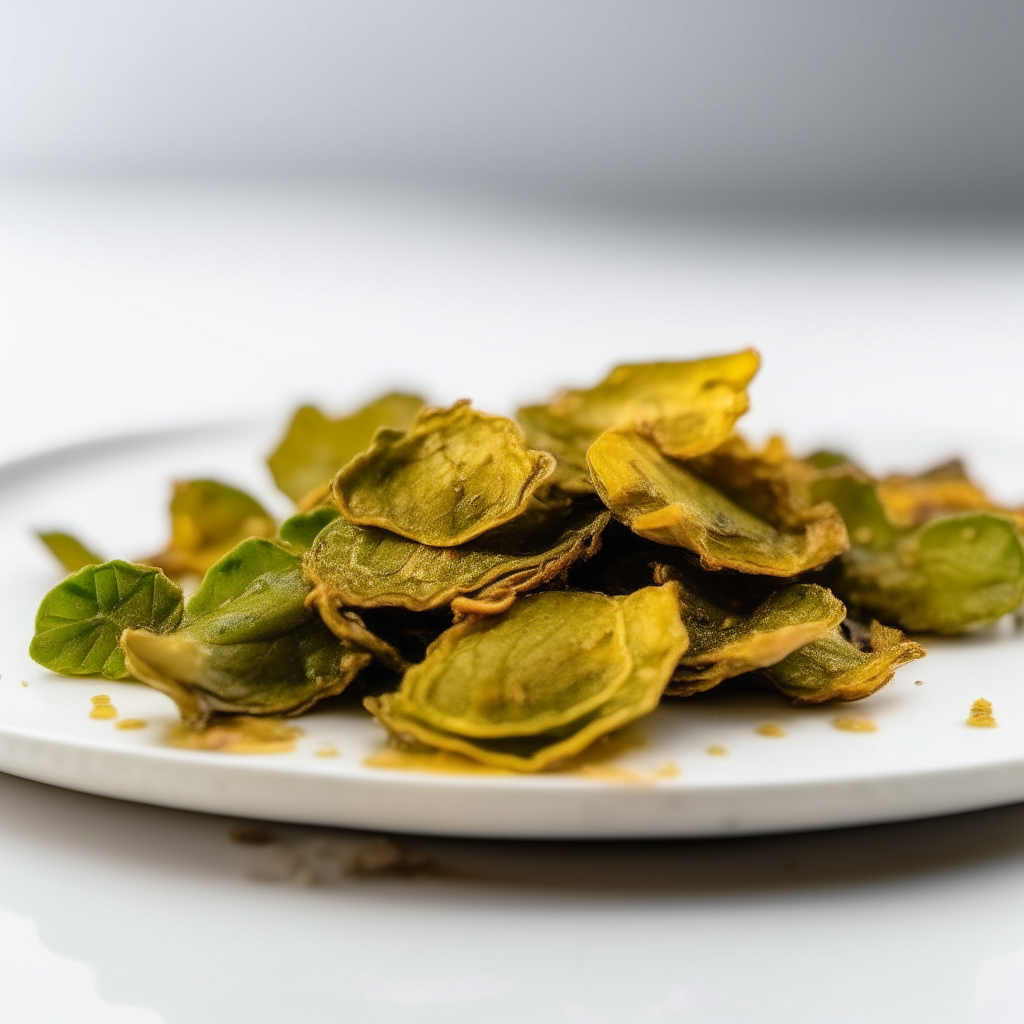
(455, 474)
(686, 408)
(366, 567)
(730, 635)
(662, 500)
(833, 668)
(654, 639)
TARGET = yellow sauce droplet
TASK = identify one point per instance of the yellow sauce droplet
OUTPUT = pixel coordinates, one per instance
(100, 698)
(103, 711)
(23, 683)
(326, 750)
(770, 729)
(591, 763)
(850, 723)
(131, 723)
(716, 751)
(397, 759)
(981, 716)
(239, 734)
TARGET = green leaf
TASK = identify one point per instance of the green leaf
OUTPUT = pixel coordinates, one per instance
(947, 575)
(951, 574)
(453, 475)
(315, 447)
(301, 529)
(81, 620)
(69, 551)
(247, 644)
(208, 519)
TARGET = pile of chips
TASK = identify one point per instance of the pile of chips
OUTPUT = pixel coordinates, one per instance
(512, 590)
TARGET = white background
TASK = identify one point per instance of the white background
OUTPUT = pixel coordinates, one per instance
(214, 210)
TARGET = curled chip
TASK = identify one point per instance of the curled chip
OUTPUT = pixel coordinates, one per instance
(913, 500)
(247, 643)
(315, 447)
(208, 519)
(951, 573)
(541, 682)
(455, 474)
(686, 408)
(80, 621)
(366, 567)
(771, 483)
(731, 635)
(833, 668)
(661, 499)
(69, 551)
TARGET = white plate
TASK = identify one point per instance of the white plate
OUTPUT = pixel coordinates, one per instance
(921, 761)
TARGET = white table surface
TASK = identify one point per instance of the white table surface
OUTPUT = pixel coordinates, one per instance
(124, 307)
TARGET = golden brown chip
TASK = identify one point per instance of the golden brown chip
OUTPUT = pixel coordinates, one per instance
(832, 668)
(913, 500)
(660, 499)
(208, 519)
(654, 639)
(731, 635)
(315, 447)
(454, 475)
(366, 567)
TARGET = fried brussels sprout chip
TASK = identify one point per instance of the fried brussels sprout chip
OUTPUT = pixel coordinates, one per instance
(300, 530)
(833, 668)
(80, 621)
(69, 551)
(366, 567)
(685, 408)
(315, 447)
(731, 635)
(208, 519)
(455, 474)
(247, 643)
(951, 573)
(541, 682)
(913, 500)
(664, 501)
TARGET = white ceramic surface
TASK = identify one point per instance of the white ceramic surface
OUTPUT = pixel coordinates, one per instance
(922, 760)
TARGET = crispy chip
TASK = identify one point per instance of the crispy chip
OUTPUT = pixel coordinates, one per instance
(660, 499)
(952, 573)
(686, 408)
(479, 657)
(366, 567)
(832, 668)
(730, 634)
(247, 643)
(455, 474)
(315, 447)
(208, 519)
